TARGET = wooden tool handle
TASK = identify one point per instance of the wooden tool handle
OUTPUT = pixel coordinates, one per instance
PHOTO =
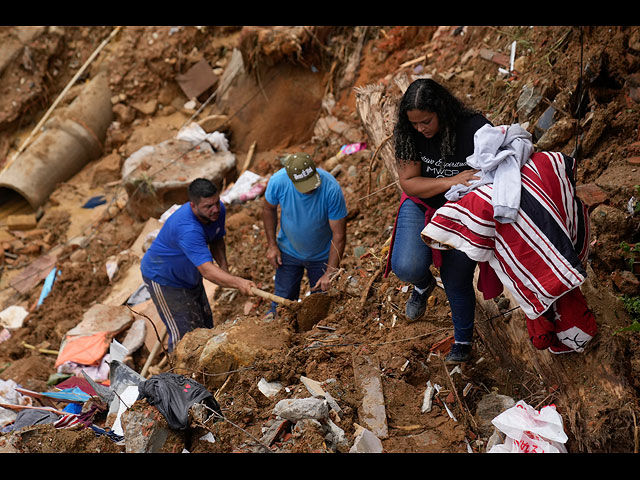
(272, 297)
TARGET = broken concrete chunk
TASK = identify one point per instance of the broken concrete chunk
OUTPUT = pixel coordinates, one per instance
(372, 412)
(269, 389)
(21, 222)
(298, 409)
(157, 177)
(315, 389)
(146, 431)
(197, 80)
(366, 442)
(489, 407)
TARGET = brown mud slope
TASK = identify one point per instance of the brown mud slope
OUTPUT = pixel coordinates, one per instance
(297, 94)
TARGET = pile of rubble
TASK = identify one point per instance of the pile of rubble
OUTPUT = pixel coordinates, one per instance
(345, 375)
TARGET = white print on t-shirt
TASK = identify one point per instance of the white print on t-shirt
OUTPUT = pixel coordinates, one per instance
(438, 168)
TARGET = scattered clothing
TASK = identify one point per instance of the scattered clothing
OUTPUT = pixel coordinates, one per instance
(539, 257)
(173, 395)
(499, 153)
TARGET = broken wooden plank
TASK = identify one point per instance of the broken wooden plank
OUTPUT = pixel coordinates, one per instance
(22, 222)
(32, 275)
(495, 57)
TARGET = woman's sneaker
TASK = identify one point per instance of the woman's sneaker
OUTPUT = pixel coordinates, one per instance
(460, 353)
(417, 303)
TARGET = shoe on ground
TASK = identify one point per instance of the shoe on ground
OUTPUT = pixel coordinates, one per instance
(417, 303)
(460, 353)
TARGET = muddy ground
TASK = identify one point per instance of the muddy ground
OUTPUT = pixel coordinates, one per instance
(307, 77)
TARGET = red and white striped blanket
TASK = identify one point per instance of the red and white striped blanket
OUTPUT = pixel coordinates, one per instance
(539, 258)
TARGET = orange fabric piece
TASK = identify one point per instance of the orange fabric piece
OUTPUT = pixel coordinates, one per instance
(84, 349)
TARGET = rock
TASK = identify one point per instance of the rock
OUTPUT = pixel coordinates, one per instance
(372, 411)
(219, 351)
(591, 195)
(626, 281)
(528, 101)
(21, 222)
(335, 436)
(366, 442)
(124, 114)
(610, 221)
(213, 123)
(146, 108)
(632, 83)
(619, 178)
(557, 135)
(269, 389)
(146, 431)
(489, 407)
(106, 170)
(157, 176)
(298, 409)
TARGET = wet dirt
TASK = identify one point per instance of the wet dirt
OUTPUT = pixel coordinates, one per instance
(363, 313)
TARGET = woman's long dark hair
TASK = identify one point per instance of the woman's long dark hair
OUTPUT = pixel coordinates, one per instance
(427, 95)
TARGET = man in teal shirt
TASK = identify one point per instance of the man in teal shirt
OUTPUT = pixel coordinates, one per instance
(312, 233)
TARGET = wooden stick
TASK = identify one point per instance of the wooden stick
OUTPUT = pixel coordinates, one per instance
(152, 355)
(247, 161)
(270, 296)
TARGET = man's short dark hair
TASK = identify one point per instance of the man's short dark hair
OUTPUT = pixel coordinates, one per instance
(201, 188)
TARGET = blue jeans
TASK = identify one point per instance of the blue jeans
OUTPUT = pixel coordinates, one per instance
(290, 273)
(411, 259)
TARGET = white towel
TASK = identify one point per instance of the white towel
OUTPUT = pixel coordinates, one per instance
(499, 153)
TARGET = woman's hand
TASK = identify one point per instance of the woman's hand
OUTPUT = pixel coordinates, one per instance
(466, 178)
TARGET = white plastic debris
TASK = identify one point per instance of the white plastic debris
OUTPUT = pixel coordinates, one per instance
(269, 389)
(13, 316)
(127, 398)
(248, 186)
(530, 431)
(195, 135)
(168, 213)
(427, 401)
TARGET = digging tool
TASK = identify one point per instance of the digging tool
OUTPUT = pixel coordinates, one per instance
(272, 297)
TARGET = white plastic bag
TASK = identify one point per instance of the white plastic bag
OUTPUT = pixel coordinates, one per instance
(530, 431)
(195, 134)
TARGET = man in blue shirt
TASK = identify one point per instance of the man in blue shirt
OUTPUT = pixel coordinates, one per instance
(182, 254)
(312, 233)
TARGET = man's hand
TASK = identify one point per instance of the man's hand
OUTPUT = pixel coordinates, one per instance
(323, 283)
(274, 256)
(245, 286)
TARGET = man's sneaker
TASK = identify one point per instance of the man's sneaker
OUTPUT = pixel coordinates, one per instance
(417, 303)
(460, 353)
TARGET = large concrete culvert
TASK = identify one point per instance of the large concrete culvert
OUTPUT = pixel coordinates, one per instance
(69, 141)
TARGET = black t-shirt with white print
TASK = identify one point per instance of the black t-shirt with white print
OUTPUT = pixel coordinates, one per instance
(434, 166)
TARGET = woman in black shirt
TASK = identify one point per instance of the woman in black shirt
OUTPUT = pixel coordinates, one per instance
(433, 137)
